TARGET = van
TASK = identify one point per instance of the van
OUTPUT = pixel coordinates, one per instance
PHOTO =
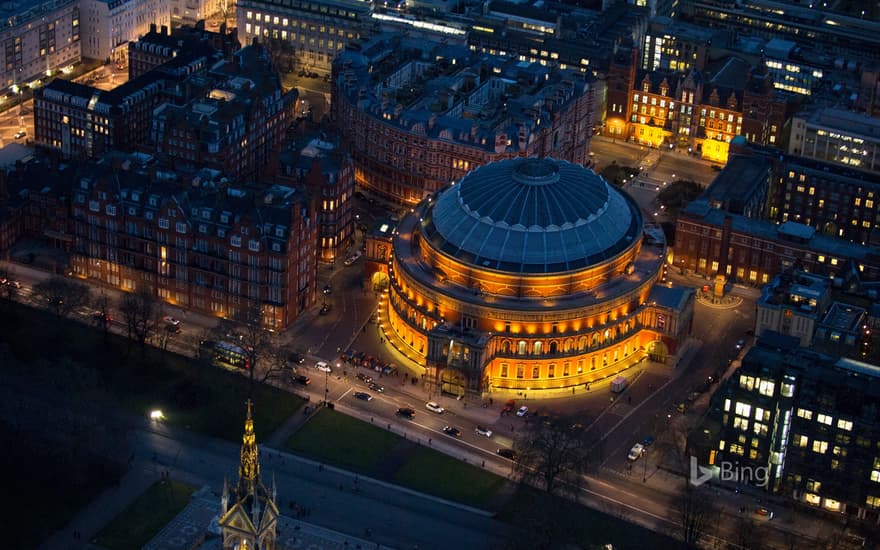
(322, 366)
(618, 384)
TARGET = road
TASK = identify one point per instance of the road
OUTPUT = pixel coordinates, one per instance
(338, 500)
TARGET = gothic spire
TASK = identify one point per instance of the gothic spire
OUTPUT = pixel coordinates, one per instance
(249, 468)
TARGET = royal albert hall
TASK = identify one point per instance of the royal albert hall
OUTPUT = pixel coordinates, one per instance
(530, 275)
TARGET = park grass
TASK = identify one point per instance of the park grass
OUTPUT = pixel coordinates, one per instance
(137, 524)
(432, 472)
(343, 441)
(197, 397)
(567, 522)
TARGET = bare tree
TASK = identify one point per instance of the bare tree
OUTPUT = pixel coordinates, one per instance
(552, 455)
(140, 310)
(263, 351)
(61, 295)
(696, 512)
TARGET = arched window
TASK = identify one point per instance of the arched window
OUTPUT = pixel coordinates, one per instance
(553, 347)
(582, 343)
(568, 344)
(595, 341)
(521, 347)
(536, 348)
(607, 334)
(505, 346)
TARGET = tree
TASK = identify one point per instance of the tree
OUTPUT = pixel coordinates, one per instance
(246, 330)
(140, 309)
(552, 455)
(696, 512)
(61, 295)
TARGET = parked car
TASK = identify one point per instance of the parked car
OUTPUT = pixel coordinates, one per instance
(172, 329)
(434, 407)
(325, 309)
(636, 452)
(648, 441)
(509, 454)
(296, 358)
(376, 387)
(353, 258)
(302, 379)
(764, 512)
(508, 407)
(102, 317)
(451, 430)
(365, 377)
(170, 320)
(328, 289)
(363, 396)
(522, 411)
(20, 134)
(480, 430)
(406, 412)
(323, 366)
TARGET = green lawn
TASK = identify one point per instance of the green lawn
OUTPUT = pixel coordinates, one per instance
(432, 472)
(201, 398)
(555, 522)
(146, 516)
(343, 441)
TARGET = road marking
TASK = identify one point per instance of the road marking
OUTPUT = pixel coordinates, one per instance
(344, 394)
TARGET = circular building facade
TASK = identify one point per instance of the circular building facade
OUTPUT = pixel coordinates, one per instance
(527, 275)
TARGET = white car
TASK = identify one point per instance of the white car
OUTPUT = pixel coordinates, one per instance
(522, 411)
(480, 430)
(171, 320)
(434, 407)
(636, 452)
(323, 366)
(353, 258)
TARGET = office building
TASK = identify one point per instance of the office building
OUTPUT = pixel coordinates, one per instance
(838, 137)
(109, 25)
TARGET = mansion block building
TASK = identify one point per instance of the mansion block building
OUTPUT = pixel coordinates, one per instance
(223, 251)
(418, 116)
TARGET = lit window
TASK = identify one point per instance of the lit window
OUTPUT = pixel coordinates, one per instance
(824, 419)
(844, 425)
(820, 447)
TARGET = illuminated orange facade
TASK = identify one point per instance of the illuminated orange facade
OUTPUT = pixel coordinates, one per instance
(531, 274)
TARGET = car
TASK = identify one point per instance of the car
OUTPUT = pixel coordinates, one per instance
(327, 289)
(434, 407)
(323, 366)
(740, 343)
(14, 284)
(636, 452)
(681, 407)
(522, 411)
(376, 387)
(406, 412)
(172, 329)
(451, 430)
(325, 309)
(302, 379)
(365, 377)
(20, 134)
(648, 441)
(509, 454)
(353, 258)
(693, 396)
(363, 396)
(102, 317)
(170, 320)
(508, 407)
(480, 430)
(296, 358)
(764, 512)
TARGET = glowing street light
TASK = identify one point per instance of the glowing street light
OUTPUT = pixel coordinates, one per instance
(157, 415)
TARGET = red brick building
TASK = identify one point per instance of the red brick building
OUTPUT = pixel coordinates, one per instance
(699, 111)
(414, 126)
(236, 126)
(219, 251)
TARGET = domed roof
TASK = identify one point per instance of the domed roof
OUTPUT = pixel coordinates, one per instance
(532, 216)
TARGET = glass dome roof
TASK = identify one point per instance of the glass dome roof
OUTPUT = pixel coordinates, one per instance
(532, 216)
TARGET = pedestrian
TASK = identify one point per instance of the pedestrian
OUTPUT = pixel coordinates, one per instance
(572, 391)
(484, 464)
(430, 441)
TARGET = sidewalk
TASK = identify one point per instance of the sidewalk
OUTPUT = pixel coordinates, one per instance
(95, 515)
